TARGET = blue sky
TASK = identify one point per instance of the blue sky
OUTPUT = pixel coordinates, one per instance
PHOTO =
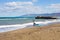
(21, 7)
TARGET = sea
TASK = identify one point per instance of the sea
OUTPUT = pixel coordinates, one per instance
(14, 23)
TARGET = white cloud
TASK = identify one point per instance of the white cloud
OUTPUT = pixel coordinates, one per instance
(28, 8)
(22, 7)
(34, 0)
(18, 3)
(54, 7)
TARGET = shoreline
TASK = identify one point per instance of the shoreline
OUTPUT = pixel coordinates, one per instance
(49, 32)
(57, 24)
(8, 29)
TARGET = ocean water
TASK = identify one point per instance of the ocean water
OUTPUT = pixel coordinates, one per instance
(9, 24)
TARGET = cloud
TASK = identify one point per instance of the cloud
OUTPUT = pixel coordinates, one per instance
(54, 7)
(22, 7)
(11, 6)
(19, 8)
(34, 0)
(18, 3)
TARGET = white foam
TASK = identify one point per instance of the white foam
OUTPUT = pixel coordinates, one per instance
(26, 24)
(5, 28)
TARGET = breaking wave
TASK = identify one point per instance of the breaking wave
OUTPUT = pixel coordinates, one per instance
(5, 28)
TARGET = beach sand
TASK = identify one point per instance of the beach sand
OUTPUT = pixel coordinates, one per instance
(49, 32)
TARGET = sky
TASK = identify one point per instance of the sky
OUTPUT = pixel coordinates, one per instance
(9, 8)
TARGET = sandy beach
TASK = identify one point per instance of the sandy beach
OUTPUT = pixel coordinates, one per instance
(49, 32)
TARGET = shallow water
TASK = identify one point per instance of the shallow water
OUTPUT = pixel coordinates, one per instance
(13, 24)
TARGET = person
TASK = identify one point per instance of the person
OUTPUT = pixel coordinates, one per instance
(34, 23)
